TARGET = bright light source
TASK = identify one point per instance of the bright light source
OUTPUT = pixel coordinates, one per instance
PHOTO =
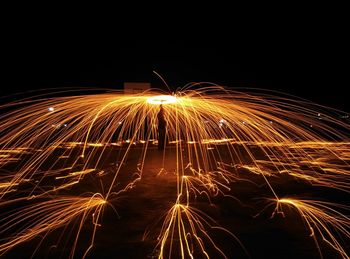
(162, 99)
(51, 109)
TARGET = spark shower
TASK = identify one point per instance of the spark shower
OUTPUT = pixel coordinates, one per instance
(215, 138)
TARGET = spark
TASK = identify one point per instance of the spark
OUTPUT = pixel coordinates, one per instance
(219, 137)
(52, 214)
(162, 99)
(323, 219)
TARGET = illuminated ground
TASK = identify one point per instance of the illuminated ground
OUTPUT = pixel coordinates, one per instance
(132, 231)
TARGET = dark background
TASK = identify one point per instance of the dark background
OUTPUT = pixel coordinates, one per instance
(306, 59)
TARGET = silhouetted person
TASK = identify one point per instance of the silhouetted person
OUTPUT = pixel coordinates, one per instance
(161, 128)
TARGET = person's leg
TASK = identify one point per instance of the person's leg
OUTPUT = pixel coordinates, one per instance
(161, 139)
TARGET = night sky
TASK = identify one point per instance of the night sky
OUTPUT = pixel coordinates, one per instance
(305, 64)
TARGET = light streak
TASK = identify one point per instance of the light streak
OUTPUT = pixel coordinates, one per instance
(76, 174)
(46, 216)
(324, 221)
(218, 137)
(162, 99)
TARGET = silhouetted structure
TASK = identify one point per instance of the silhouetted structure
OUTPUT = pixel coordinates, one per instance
(136, 87)
(161, 128)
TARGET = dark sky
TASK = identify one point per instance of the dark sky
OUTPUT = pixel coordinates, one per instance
(309, 64)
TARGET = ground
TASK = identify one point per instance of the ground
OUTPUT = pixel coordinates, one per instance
(132, 220)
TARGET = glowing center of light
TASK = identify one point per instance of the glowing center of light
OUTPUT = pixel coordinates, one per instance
(161, 99)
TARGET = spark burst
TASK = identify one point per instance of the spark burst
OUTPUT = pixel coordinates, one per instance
(215, 134)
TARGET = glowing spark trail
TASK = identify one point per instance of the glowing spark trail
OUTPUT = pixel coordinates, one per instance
(55, 149)
(47, 216)
(322, 218)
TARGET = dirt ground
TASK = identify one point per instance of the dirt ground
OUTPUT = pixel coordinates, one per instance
(132, 220)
